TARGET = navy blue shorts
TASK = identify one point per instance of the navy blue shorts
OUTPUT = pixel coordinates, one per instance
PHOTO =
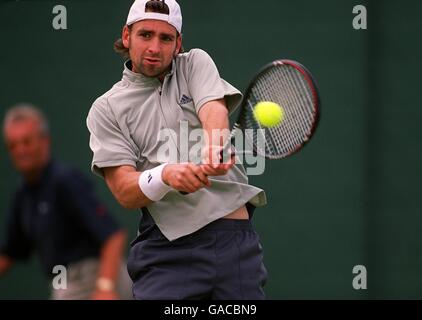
(222, 261)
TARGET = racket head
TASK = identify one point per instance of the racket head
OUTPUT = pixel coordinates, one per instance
(289, 84)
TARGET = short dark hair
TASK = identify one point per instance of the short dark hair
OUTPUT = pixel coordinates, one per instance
(156, 6)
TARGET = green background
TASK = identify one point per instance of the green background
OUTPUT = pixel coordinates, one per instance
(351, 197)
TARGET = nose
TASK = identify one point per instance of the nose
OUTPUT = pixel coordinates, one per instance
(19, 150)
(154, 46)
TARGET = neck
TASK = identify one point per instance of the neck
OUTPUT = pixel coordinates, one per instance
(33, 176)
(162, 76)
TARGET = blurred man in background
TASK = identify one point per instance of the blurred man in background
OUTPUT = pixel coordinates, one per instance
(55, 213)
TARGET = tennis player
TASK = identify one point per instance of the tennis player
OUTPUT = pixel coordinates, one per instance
(196, 246)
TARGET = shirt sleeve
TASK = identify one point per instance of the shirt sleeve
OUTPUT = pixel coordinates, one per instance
(78, 196)
(15, 245)
(205, 83)
(109, 145)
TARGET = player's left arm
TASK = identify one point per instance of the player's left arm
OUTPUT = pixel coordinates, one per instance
(214, 116)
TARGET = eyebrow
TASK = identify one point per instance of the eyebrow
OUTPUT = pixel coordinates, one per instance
(154, 32)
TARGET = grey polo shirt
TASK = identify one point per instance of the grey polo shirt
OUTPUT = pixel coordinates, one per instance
(140, 117)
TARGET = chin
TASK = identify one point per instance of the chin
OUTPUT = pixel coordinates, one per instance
(25, 167)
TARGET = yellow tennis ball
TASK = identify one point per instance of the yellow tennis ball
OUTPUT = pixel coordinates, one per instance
(268, 114)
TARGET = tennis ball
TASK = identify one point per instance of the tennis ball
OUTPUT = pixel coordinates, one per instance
(268, 114)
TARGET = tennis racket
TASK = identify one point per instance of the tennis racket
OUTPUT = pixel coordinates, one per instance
(293, 88)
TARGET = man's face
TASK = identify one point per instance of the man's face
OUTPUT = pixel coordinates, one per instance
(28, 147)
(152, 46)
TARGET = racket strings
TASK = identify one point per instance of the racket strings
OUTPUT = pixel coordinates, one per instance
(301, 121)
(285, 85)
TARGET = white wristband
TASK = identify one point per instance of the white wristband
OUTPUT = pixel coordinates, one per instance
(152, 185)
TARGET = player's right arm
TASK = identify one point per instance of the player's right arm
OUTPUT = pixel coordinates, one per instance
(123, 182)
(5, 264)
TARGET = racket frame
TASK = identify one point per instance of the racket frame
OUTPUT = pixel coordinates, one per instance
(315, 97)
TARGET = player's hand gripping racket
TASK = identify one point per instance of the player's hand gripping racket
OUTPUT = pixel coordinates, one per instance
(291, 86)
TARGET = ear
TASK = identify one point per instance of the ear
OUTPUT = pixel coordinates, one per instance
(125, 36)
(178, 45)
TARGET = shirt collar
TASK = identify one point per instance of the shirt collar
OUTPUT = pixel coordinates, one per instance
(133, 77)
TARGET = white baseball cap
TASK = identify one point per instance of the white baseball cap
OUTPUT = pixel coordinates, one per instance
(137, 13)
